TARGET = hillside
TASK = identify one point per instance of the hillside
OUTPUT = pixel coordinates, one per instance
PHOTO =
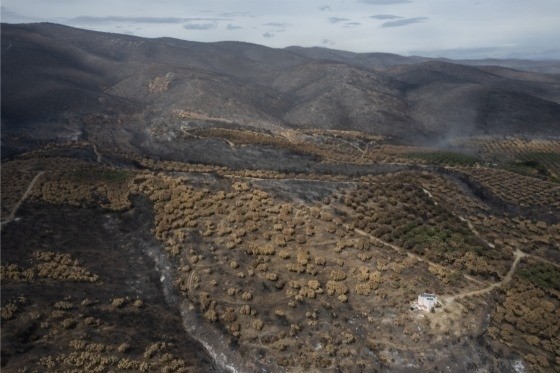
(187, 207)
(57, 80)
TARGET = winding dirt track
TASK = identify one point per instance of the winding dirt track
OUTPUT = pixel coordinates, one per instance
(12, 214)
(401, 250)
(446, 300)
(518, 255)
(523, 254)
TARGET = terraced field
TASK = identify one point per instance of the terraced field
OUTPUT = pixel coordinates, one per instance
(275, 270)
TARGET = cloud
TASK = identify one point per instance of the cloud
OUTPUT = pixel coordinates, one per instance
(236, 14)
(498, 51)
(327, 42)
(153, 20)
(276, 24)
(208, 19)
(404, 22)
(475, 24)
(200, 26)
(385, 2)
(337, 19)
(278, 27)
(268, 35)
(233, 27)
(10, 16)
(384, 16)
(351, 24)
(459, 53)
(88, 19)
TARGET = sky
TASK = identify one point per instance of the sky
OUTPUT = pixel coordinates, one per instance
(458, 29)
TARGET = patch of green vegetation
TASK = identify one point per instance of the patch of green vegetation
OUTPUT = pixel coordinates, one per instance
(527, 168)
(106, 175)
(546, 158)
(543, 275)
(439, 241)
(536, 164)
(446, 158)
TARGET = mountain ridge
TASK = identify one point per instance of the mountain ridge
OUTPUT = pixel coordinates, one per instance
(54, 76)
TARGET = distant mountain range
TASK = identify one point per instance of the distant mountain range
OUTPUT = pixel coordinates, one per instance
(60, 82)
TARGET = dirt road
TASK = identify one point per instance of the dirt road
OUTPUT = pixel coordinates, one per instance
(518, 255)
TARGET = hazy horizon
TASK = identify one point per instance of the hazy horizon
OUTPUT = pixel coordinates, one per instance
(459, 30)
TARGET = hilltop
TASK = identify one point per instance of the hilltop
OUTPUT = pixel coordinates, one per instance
(60, 82)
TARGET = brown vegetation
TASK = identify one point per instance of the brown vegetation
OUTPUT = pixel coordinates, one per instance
(310, 283)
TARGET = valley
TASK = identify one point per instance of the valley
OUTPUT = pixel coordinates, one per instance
(231, 207)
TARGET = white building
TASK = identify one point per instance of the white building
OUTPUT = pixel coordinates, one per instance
(427, 301)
